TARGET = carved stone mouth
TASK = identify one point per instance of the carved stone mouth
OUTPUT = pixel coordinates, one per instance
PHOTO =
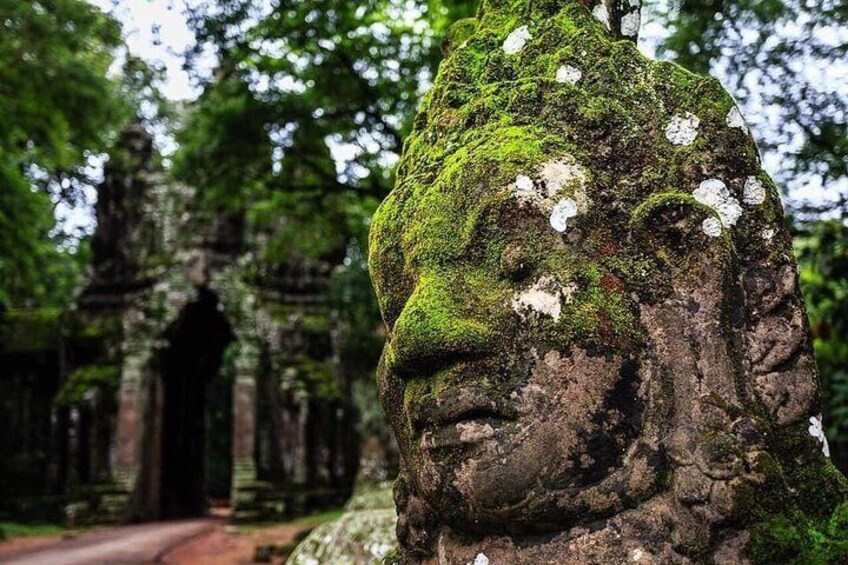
(461, 433)
(461, 406)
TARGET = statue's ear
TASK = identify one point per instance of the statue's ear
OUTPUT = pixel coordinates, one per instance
(778, 350)
(754, 301)
(687, 240)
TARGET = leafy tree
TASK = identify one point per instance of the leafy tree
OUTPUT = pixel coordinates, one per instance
(784, 60)
(58, 108)
(822, 249)
(296, 87)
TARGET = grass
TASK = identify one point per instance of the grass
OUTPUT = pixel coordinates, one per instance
(18, 529)
(309, 521)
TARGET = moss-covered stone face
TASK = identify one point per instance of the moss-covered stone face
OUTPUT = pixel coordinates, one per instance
(592, 307)
(514, 345)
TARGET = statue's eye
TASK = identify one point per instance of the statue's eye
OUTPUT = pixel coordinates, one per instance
(516, 263)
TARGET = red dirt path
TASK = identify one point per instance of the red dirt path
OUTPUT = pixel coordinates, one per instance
(225, 546)
(196, 542)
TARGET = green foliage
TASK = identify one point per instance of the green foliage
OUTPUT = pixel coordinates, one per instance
(320, 377)
(30, 329)
(87, 378)
(822, 250)
(291, 82)
(57, 108)
(9, 529)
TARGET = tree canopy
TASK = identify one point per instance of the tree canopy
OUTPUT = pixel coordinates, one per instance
(784, 60)
(307, 111)
(59, 107)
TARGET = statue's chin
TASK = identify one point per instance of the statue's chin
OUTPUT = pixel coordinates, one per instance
(495, 493)
(491, 498)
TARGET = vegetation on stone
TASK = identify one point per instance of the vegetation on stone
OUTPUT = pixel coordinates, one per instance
(676, 214)
(104, 379)
(363, 535)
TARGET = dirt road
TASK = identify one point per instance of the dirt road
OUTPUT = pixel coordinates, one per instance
(124, 545)
(224, 546)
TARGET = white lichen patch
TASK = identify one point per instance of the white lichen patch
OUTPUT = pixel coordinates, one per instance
(683, 129)
(817, 431)
(359, 536)
(714, 193)
(754, 193)
(712, 227)
(516, 40)
(559, 191)
(378, 549)
(768, 234)
(563, 211)
(525, 190)
(735, 119)
(563, 175)
(630, 24)
(544, 298)
(601, 13)
(569, 74)
(481, 559)
(636, 555)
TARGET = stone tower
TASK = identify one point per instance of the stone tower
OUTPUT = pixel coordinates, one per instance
(192, 370)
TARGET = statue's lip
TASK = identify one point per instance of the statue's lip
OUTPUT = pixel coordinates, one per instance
(458, 406)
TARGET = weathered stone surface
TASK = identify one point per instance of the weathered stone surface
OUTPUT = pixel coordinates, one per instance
(594, 354)
(364, 535)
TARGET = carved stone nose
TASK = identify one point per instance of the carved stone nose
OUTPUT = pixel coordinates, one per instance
(435, 330)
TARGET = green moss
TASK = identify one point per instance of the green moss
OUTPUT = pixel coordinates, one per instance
(392, 558)
(796, 540)
(86, 378)
(458, 34)
(796, 513)
(433, 316)
(666, 201)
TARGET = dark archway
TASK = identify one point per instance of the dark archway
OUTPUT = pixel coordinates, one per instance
(192, 386)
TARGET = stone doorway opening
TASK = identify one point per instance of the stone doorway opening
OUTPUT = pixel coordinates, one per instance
(196, 453)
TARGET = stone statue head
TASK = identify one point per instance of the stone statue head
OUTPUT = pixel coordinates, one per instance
(592, 306)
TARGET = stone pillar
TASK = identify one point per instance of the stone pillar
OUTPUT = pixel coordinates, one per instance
(244, 429)
(129, 421)
(132, 498)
